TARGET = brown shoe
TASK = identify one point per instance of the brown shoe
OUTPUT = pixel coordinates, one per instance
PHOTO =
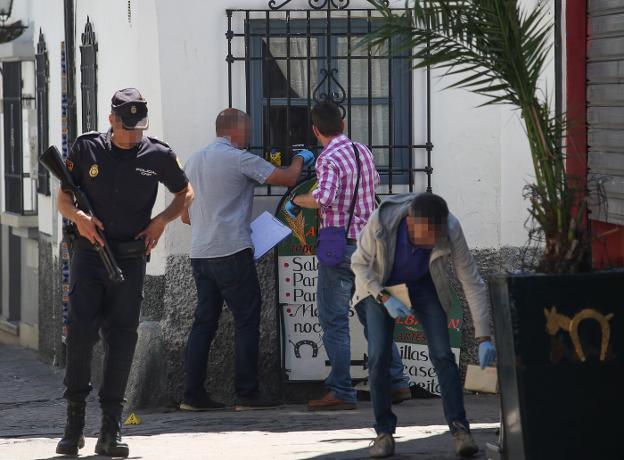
(330, 402)
(402, 394)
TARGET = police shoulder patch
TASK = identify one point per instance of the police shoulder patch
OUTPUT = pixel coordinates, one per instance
(158, 141)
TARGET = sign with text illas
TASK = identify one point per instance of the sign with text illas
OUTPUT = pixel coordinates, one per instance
(304, 356)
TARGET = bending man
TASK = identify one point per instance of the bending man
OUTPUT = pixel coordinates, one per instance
(409, 240)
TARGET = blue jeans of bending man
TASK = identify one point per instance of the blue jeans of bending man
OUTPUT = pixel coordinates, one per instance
(380, 325)
(235, 280)
(335, 289)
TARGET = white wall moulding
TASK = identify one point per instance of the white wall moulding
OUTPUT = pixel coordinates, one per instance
(18, 220)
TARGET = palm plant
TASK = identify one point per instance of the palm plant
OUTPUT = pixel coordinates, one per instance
(499, 51)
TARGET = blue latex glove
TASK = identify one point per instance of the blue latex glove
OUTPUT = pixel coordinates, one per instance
(292, 209)
(487, 354)
(396, 309)
(308, 158)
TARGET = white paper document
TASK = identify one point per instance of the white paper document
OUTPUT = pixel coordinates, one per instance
(266, 233)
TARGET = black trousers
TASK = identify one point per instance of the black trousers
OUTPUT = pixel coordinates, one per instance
(99, 307)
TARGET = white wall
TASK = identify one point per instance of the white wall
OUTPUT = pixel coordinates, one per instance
(127, 57)
(48, 16)
(175, 53)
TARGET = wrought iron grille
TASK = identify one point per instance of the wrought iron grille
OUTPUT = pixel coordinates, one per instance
(282, 61)
(88, 79)
(42, 82)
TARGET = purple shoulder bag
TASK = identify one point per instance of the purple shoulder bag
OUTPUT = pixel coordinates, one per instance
(332, 241)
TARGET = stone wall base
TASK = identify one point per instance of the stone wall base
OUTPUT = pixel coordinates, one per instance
(157, 377)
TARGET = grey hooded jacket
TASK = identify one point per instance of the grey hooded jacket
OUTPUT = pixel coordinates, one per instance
(373, 260)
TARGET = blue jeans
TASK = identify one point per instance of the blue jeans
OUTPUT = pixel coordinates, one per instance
(235, 280)
(398, 378)
(336, 286)
(429, 311)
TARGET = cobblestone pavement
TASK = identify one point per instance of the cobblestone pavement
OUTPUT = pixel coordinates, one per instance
(32, 417)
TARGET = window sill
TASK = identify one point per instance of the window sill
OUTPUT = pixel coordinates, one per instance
(18, 221)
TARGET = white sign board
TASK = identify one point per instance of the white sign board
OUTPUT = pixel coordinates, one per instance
(305, 356)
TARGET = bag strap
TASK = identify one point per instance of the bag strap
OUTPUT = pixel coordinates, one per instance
(357, 186)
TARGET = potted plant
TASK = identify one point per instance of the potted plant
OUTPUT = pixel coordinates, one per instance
(559, 331)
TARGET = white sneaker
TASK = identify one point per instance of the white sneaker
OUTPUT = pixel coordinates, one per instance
(382, 446)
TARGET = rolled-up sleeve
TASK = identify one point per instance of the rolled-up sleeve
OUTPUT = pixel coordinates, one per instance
(328, 176)
(255, 168)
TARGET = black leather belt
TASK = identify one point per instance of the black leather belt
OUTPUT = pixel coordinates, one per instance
(352, 241)
(133, 249)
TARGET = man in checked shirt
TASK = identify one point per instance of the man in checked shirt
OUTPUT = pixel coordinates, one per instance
(336, 172)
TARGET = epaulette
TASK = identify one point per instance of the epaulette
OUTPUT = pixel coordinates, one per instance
(158, 141)
(89, 134)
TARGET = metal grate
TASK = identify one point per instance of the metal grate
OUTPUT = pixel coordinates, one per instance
(42, 82)
(88, 79)
(286, 60)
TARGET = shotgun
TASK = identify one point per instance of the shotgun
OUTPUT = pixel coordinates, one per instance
(53, 162)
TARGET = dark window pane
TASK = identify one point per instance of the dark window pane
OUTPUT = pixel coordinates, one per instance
(12, 91)
(282, 140)
(276, 69)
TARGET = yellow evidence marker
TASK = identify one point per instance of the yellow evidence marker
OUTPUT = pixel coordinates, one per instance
(133, 419)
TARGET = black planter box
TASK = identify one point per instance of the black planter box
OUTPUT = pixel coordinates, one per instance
(560, 341)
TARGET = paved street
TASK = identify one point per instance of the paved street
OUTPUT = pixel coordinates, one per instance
(32, 415)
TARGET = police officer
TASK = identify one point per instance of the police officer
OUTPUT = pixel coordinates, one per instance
(119, 171)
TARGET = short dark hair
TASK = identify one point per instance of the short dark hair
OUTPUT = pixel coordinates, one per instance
(327, 118)
(229, 120)
(430, 206)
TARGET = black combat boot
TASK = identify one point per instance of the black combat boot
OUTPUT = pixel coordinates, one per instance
(109, 443)
(73, 438)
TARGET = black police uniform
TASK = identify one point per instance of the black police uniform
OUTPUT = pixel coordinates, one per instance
(122, 186)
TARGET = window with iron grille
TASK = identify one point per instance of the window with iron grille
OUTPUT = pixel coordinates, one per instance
(42, 82)
(18, 97)
(88, 78)
(294, 58)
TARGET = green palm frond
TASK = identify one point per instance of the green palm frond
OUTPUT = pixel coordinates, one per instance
(501, 50)
(496, 49)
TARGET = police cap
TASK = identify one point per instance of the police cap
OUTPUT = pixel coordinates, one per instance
(131, 108)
